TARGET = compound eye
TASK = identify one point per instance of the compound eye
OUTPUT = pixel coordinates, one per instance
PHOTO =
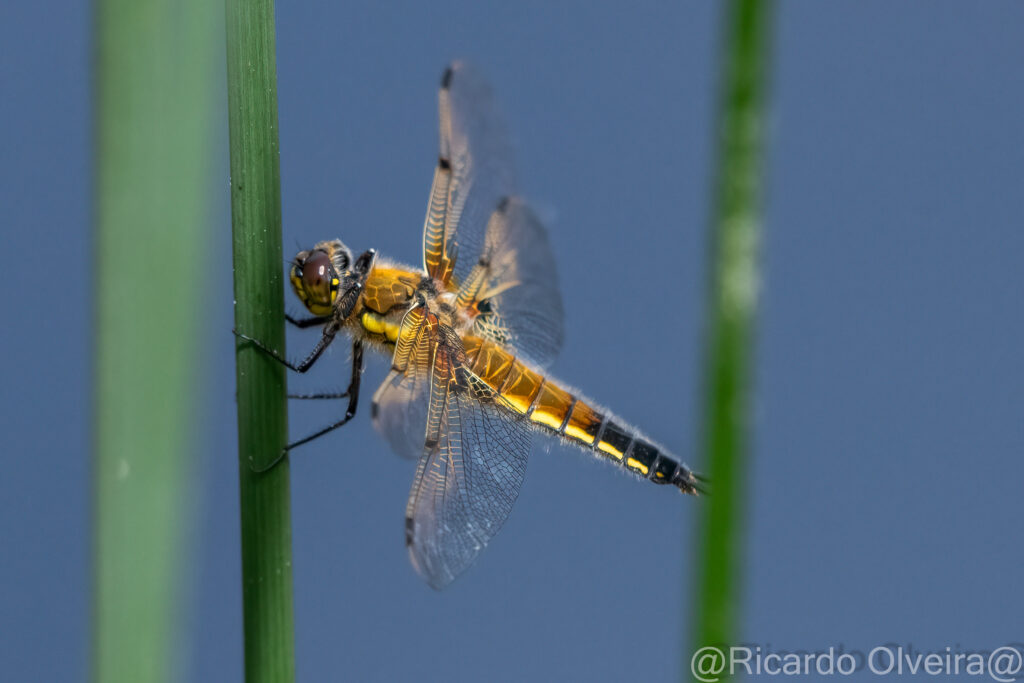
(316, 273)
(295, 274)
(315, 282)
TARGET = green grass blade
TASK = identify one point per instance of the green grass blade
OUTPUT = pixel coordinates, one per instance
(259, 313)
(154, 128)
(733, 302)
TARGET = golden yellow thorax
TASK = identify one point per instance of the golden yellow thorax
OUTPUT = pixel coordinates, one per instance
(388, 287)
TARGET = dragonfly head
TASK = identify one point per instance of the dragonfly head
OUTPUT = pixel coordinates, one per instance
(318, 276)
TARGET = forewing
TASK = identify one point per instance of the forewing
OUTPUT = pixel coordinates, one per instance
(474, 173)
(469, 476)
(519, 301)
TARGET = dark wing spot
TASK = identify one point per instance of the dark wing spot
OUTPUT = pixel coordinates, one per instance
(410, 529)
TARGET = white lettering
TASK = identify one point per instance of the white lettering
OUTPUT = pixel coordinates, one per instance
(876, 656)
(825, 665)
(975, 664)
(933, 664)
(734, 661)
(791, 664)
(913, 661)
(850, 664)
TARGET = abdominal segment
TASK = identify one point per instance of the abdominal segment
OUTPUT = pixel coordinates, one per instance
(560, 412)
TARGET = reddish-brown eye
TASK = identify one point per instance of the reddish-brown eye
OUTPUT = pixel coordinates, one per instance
(316, 272)
(314, 281)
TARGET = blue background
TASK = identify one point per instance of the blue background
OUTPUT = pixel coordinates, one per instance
(888, 434)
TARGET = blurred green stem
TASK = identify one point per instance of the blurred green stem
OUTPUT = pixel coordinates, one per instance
(153, 127)
(259, 313)
(730, 327)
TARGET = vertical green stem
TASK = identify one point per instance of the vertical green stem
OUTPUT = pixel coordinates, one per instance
(153, 118)
(733, 303)
(259, 313)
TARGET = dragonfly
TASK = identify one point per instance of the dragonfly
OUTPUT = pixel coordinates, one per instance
(470, 335)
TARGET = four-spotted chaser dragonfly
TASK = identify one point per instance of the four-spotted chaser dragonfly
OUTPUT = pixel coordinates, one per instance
(470, 335)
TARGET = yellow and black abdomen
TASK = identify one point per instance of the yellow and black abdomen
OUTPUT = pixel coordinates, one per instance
(561, 413)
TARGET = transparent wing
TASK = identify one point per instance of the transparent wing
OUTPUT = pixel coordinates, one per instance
(399, 407)
(399, 412)
(472, 467)
(474, 173)
(514, 286)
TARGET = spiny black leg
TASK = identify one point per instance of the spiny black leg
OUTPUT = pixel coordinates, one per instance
(328, 395)
(325, 341)
(303, 323)
(353, 397)
(350, 411)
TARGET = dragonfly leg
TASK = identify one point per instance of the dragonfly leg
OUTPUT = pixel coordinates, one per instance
(325, 341)
(322, 395)
(303, 323)
(353, 402)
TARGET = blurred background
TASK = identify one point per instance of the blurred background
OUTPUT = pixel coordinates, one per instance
(889, 383)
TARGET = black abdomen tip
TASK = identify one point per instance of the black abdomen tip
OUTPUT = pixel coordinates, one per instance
(686, 481)
(444, 164)
(446, 79)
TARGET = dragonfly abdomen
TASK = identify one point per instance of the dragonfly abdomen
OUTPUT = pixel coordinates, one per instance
(562, 413)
